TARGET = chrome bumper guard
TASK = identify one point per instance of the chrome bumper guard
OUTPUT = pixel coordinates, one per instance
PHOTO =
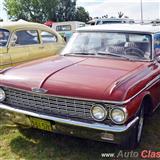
(95, 126)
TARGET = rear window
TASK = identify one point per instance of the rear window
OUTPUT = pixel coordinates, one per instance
(48, 37)
(63, 28)
(106, 22)
(27, 37)
(4, 35)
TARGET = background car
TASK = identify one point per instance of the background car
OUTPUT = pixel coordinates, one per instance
(111, 21)
(23, 41)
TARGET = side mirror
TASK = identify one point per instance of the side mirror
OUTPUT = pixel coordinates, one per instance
(157, 54)
(158, 58)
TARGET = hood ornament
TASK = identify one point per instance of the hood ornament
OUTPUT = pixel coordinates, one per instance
(39, 90)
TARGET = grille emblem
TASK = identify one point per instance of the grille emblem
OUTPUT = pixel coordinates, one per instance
(39, 90)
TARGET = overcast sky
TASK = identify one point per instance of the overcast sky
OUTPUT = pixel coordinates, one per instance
(131, 8)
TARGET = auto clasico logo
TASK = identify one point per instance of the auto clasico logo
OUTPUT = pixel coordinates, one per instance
(144, 154)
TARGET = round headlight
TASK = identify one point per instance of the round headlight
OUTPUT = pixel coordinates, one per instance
(98, 113)
(118, 115)
(2, 95)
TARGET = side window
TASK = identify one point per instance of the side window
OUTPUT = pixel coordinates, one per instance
(139, 38)
(4, 36)
(157, 44)
(26, 37)
(48, 37)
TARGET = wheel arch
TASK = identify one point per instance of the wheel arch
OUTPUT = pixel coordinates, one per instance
(147, 102)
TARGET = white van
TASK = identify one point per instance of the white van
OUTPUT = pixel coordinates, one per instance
(67, 28)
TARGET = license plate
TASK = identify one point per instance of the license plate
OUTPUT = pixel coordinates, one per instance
(41, 124)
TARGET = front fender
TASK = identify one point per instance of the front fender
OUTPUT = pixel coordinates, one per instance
(134, 105)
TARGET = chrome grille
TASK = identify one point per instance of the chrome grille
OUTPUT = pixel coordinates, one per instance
(48, 105)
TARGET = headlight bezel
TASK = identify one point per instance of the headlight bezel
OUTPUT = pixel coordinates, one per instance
(125, 113)
(101, 107)
(3, 93)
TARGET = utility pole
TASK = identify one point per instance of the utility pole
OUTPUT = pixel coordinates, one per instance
(142, 12)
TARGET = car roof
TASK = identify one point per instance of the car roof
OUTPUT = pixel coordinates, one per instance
(114, 19)
(21, 24)
(140, 28)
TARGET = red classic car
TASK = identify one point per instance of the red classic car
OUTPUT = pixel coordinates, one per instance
(102, 86)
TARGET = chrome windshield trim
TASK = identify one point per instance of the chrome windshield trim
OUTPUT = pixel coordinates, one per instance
(105, 57)
(96, 126)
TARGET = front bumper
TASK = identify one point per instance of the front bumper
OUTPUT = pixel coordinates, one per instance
(95, 130)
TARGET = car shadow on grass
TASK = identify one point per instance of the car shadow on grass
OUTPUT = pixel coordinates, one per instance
(34, 144)
(43, 145)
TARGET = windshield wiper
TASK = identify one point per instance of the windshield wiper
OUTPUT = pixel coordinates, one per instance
(113, 54)
(98, 53)
(80, 53)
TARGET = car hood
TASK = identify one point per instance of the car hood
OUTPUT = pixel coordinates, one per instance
(91, 78)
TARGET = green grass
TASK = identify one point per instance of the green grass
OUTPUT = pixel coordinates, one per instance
(32, 144)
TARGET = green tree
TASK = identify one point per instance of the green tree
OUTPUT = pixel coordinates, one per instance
(81, 15)
(41, 10)
(32, 10)
(66, 10)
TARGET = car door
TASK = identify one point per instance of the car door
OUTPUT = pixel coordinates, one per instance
(5, 60)
(157, 56)
(18, 51)
(51, 43)
(32, 41)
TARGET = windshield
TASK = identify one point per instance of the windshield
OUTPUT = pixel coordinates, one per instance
(128, 45)
(4, 35)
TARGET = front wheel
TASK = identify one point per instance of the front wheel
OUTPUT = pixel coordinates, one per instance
(135, 137)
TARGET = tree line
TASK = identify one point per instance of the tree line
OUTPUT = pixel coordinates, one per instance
(43, 10)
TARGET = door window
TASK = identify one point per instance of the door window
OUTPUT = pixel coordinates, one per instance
(26, 37)
(4, 35)
(48, 37)
(157, 44)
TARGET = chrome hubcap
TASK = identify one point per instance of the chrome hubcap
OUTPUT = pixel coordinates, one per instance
(140, 126)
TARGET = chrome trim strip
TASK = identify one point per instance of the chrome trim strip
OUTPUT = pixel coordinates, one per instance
(101, 56)
(127, 78)
(69, 97)
(152, 49)
(151, 83)
(96, 126)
